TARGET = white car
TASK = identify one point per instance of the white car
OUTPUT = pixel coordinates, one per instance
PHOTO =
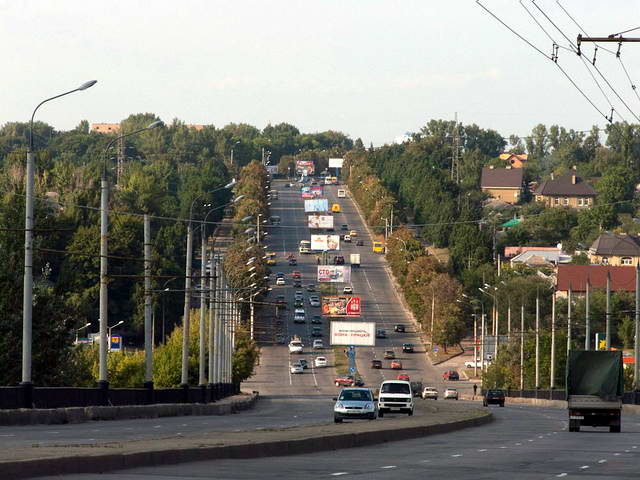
(348, 289)
(430, 392)
(299, 316)
(395, 396)
(353, 233)
(314, 301)
(450, 393)
(320, 362)
(280, 281)
(295, 346)
(471, 364)
(296, 368)
(317, 343)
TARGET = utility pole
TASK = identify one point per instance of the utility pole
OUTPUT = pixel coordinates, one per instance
(552, 368)
(212, 300)
(608, 313)
(455, 167)
(120, 161)
(433, 312)
(522, 345)
(148, 330)
(391, 228)
(636, 369)
(587, 331)
(482, 341)
(569, 300)
(202, 379)
(184, 382)
(218, 297)
(537, 340)
(475, 344)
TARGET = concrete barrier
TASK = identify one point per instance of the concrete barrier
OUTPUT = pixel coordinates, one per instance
(56, 416)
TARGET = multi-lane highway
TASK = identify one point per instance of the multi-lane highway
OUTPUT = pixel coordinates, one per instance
(522, 442)
(380, 304)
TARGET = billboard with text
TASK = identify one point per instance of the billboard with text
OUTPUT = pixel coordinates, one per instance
(304, 167)
(336, 162)
(334, 273)
(316, 205)
(325, 242)
(362, 334)
(341, 306)
(320, 221)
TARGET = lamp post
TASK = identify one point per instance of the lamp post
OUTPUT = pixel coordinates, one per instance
(78, 330)
(27, 295)
(232, 147)
(184, 377)
(103, 381)
(111, 328)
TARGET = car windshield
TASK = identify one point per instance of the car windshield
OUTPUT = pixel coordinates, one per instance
(495, 392)
(356, 395)
(395, 388)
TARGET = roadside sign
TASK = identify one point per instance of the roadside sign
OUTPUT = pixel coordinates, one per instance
(435, 348)
(115, 343)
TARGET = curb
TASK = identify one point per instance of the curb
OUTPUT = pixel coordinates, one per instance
(56, 416)
(105, 463)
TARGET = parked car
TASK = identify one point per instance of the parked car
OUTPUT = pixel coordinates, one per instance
(450, 375)
(355, 403)
(493, 397)
(376, 364)
(407, 348)
(381, 334)
(403, 376)
(316, 319)
(320, 362)
(430, 392)
(398, 328)
(471, 364)
(389, 355)
(296, 368)
(317, 343)
(451, 394)
(396, 365)
(348, 290)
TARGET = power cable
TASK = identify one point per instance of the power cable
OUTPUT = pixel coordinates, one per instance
(626, 31)
(582, 29)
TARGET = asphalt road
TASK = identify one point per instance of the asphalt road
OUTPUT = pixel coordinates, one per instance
(522, 443)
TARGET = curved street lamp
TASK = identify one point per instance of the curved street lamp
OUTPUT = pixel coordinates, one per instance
(27, 295)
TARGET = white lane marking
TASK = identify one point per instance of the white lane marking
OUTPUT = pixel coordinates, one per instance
(562, 475)
(627, 451)
(337, 474)
(425, 461)
(584, 467)
(482, 450)
(540, 436)
(8, 435)
(529, 440)
(518, 444)
(157, 426)
(388, 466)
(503, 447)
(55, 433)
(602, 461)
(617, 454)
(457, 455)
(634, 446)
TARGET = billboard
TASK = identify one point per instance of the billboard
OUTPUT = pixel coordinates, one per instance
(320, 221)
(362, 334)
(325, 242)
(317, 205)
(341, 306)
(304, 167)
(336, 162)
(334, 273)
(272, 169)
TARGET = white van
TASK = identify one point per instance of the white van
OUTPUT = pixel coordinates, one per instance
(342, 193)
(395, 395)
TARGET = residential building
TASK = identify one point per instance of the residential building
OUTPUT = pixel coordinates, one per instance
(541, 258)
(566, 191)
(105, 127)
(615, 249)
(515, 160)
(510, 252)
(623, 279)
(502, 183)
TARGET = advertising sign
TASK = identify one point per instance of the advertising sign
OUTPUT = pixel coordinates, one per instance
(336, 162)
(320, 221)
(334, 273)
(325, 242)
(272, 169)
(308, 195)
(316, 205)
(362, 334)
(115, 343)
(316, 188)
(341, 306)
(304, 167)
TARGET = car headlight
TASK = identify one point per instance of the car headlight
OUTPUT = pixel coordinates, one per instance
(368, 406)
(339, 405)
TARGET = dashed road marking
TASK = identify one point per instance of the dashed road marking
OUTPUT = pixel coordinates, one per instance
(627, 451)
(456, 455)
(616, 454)
(602, 461)
(425, 461)
(482, 450)
(503, 447)
(561, 475)
(388, 466)
(518, 444)
(337, 474)
(8, 435)
(584, 467)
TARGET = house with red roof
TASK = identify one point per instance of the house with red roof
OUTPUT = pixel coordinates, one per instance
(575, 277)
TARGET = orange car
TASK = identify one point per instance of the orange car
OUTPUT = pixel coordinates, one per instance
(296, 274)
(396, 365)
(403, 376)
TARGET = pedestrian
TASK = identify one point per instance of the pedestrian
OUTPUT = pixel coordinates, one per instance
(318, 260)
(475, 389)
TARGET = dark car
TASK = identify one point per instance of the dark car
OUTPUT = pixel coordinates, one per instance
(316, 319)
(416, 388)
(281, 301)
(389, 355)
(407, 348)
(398, 328)
(450, 375)
(330, 229)
(297, 283)
(376, 363)
(311, 287)
(344, 227)
(304, 363)
(298, 303)
(316, 332)
(381, 334)
(293, 262)
(359, 243)
(493, 396)
(338, 260)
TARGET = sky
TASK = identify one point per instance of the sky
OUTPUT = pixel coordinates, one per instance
(373, 69)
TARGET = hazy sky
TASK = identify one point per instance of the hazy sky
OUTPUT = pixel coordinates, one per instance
(371, 68)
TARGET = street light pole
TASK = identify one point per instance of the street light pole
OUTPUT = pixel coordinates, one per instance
(27, 294)
(111, 328)
(80, 329)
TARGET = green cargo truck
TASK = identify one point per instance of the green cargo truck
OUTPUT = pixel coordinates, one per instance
(594, 389)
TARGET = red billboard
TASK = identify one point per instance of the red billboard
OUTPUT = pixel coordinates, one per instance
(341, 306)
(304, 167)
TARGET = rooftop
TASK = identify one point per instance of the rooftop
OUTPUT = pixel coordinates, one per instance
(622, 278)
(568, 185)
(501, 177)
(615, 244)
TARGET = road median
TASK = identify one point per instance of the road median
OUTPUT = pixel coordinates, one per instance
(430, 418)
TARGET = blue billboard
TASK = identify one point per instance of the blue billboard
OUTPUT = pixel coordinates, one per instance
(316, 205)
